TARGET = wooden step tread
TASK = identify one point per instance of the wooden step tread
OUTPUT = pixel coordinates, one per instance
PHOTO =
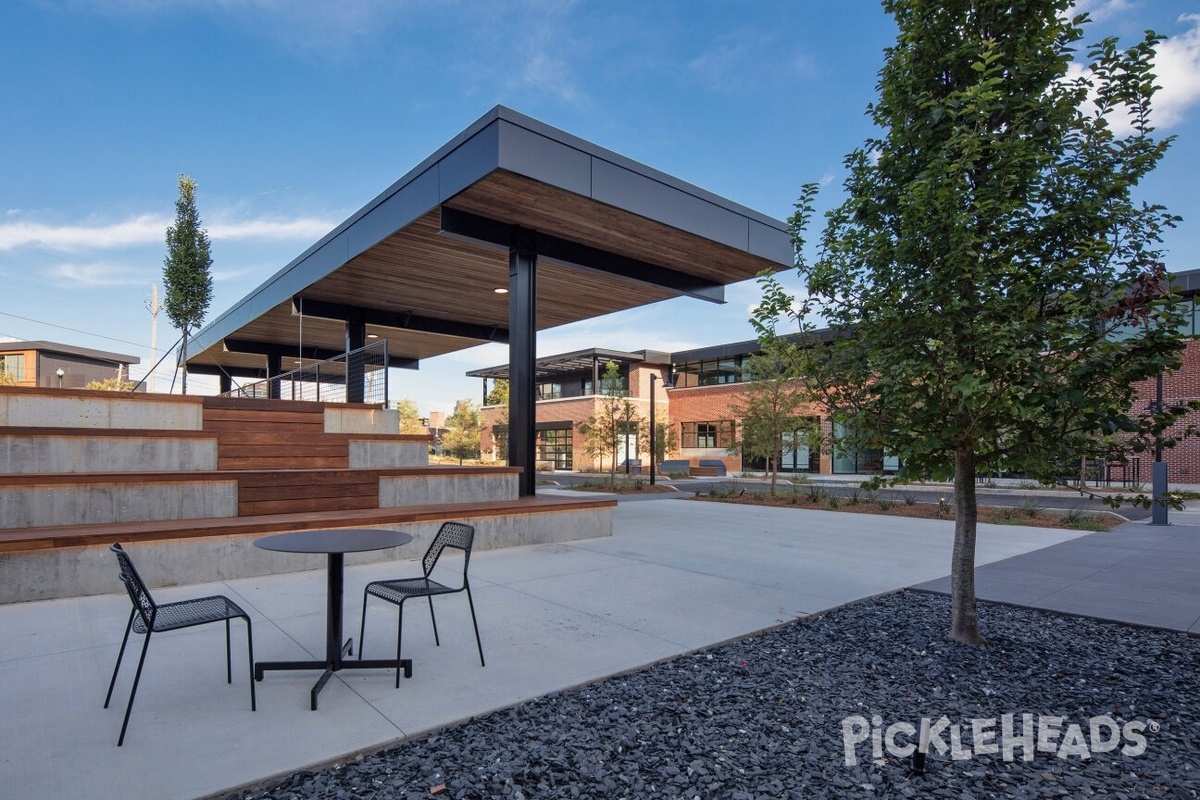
(48, 538)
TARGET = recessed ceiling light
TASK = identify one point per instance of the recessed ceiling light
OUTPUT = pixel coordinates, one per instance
(500, 290)
(372, 335)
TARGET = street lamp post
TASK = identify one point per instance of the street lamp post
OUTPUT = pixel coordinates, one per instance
(1158, 511)
(666, 382)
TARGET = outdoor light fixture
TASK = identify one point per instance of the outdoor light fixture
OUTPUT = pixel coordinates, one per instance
(666, 382)
(500, 290)
(59, 372)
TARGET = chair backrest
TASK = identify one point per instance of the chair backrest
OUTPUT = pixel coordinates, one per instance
(138, 593)
(452, 534)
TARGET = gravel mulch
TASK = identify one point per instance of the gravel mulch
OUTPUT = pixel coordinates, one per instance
(782, 715)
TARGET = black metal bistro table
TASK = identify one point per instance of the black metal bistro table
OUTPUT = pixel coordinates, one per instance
(335, 543)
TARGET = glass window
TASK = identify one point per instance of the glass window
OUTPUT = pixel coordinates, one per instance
(708, 434)
(555, 446)
(13, 366)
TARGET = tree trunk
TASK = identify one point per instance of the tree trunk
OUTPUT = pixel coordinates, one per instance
(183, 384)
(964, 617)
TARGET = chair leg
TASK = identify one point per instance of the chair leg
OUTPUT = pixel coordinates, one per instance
(228, 660)
(478, 643)
(436, 640)
(250, 650)
(120, 655)
(137, 677)
(399, 635)
(362, 628)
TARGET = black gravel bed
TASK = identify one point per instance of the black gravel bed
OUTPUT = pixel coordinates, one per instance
(781, 715)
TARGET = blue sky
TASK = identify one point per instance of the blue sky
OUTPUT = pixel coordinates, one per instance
(292, 114)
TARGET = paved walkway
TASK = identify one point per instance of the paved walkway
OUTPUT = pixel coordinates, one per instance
(674, 577)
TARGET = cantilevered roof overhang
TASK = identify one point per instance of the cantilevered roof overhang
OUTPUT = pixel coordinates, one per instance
(420, 264)
(568, 229)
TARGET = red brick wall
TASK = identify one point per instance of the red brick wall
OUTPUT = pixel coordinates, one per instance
(1179, 386)
(710, 404)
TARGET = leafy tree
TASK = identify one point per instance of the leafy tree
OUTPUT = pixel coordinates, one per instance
(615, 418)
(994, 291)
(410, 417)
(770, 404)
(115, 384)
(187, 282)
(498, 396)
(461, 439)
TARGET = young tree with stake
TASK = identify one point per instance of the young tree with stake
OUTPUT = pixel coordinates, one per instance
(994, 290)
(187, 282)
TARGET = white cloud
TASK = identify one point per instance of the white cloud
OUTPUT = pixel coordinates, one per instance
(303, 229)
(1177, 65)
(90, 276)
(151, 229)
(1100, 10)
(135, 231)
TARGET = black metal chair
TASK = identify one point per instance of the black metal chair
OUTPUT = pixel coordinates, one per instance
(149, 617)
(456, 535)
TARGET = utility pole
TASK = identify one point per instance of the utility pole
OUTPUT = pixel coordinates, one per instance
(153, 306)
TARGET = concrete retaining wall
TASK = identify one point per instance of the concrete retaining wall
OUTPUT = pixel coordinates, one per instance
(419, 490)
(96, 503)
(25, 454)
(29, 408)
(382, 454)
(361, 420)
(79, 571)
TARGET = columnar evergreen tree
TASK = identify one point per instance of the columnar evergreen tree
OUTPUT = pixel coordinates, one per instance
(187, 282)
(994, 289)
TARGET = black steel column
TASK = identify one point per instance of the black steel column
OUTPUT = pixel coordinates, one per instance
(274, 367)
(226, 383)
(356, 377)
(522, 353)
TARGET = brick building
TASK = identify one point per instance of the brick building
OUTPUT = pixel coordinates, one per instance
(700, 408)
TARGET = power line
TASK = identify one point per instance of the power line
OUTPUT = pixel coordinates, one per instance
(73, 330)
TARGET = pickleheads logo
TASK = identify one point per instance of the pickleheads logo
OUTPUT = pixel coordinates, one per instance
(1027, 734)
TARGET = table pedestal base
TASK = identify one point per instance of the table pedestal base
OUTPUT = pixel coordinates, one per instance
(331, 667)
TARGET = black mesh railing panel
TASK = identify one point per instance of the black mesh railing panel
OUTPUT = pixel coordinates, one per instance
(335, 380)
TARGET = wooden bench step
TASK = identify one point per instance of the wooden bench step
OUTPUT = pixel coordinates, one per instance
(49, 538)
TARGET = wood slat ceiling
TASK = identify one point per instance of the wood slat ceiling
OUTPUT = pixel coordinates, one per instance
(417, 270)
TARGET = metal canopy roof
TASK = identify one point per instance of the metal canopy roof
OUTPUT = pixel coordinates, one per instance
(419, 264)
(565, 364)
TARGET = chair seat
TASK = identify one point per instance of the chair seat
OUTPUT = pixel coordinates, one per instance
(186, 613)
(398, 590)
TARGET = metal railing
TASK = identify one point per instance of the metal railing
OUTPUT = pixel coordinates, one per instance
(335, 380)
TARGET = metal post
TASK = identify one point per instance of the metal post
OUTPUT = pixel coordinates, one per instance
(666, 382)
(653, 430)
(522, 353)
(356, 339)
(1158, 512)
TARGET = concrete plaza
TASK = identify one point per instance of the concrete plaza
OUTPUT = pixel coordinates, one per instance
(675, 576)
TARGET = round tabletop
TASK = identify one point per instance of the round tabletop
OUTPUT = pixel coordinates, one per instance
(334, 540)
